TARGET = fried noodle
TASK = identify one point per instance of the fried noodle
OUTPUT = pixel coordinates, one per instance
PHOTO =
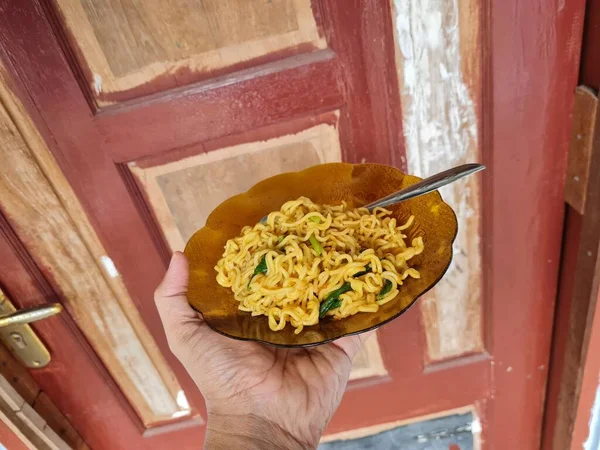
(291, 268)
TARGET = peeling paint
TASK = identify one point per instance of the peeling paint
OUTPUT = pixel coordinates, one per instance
(476, 426)
(109, 266)
(440, 127)
(182, 400)
(97, 84)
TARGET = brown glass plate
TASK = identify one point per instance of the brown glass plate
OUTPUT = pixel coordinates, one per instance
(325, 184)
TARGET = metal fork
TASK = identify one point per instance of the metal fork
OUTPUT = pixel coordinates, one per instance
(425, 186)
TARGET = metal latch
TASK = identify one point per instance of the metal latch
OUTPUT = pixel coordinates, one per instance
(19, 337)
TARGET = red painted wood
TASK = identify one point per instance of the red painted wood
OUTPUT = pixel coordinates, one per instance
(76, 380)
(564, 303)
(361, 34)
(534, 61)
(529, 78)
(88, 147)
(210, 113)
(9, 440)
(408, 392)
(171, 81)
(78, 149)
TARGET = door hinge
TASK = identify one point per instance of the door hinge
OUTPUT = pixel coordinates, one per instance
(583, 129)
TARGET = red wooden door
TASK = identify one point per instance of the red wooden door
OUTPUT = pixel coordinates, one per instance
(156, 113)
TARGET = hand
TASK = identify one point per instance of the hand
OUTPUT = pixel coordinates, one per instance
(256, 396)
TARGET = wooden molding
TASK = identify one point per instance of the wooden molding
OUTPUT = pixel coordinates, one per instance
(49, 220)
(579, 285)
(368, 363)
(580, 147)
(25, 422)
(321, 140)
(23, 384)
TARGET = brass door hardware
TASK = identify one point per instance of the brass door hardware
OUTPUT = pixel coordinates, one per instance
(20, 337)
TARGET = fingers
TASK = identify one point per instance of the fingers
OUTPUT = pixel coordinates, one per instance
(351, 345)
(179, 320)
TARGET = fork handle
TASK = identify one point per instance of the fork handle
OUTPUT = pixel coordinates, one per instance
(427, 185)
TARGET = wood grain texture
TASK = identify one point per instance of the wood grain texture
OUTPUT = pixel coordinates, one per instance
(46, 228)
(282, 92)
(580, 148)
(440, 79)
(353, 79)
(124, 45)
(81, 222)
(184, 192)
(74, 362)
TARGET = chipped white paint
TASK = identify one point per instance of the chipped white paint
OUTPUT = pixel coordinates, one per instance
(97, 84)
(476, 426)
(182, 400)
(440, 127)
(109, 266)
(509, 369)
(593, 440)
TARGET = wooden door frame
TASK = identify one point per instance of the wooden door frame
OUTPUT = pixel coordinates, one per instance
(575, 361)
(533, 89)
(523, 253)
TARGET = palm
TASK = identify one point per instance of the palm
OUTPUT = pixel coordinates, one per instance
(309, 381)
(297, 390)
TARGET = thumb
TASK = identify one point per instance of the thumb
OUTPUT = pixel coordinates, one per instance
(179, 320)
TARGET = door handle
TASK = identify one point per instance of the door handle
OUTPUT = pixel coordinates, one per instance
(29, 315)
(19, 337)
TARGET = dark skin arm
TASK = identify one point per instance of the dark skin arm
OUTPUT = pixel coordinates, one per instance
(256, 396)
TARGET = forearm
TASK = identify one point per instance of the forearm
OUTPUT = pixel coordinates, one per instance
(249, 432)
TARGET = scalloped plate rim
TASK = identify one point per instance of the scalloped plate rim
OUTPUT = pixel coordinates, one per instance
(353, 333)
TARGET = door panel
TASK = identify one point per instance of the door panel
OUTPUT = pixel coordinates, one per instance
(133, 48)
(280, 114)
(183, 192)
(152, 135)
